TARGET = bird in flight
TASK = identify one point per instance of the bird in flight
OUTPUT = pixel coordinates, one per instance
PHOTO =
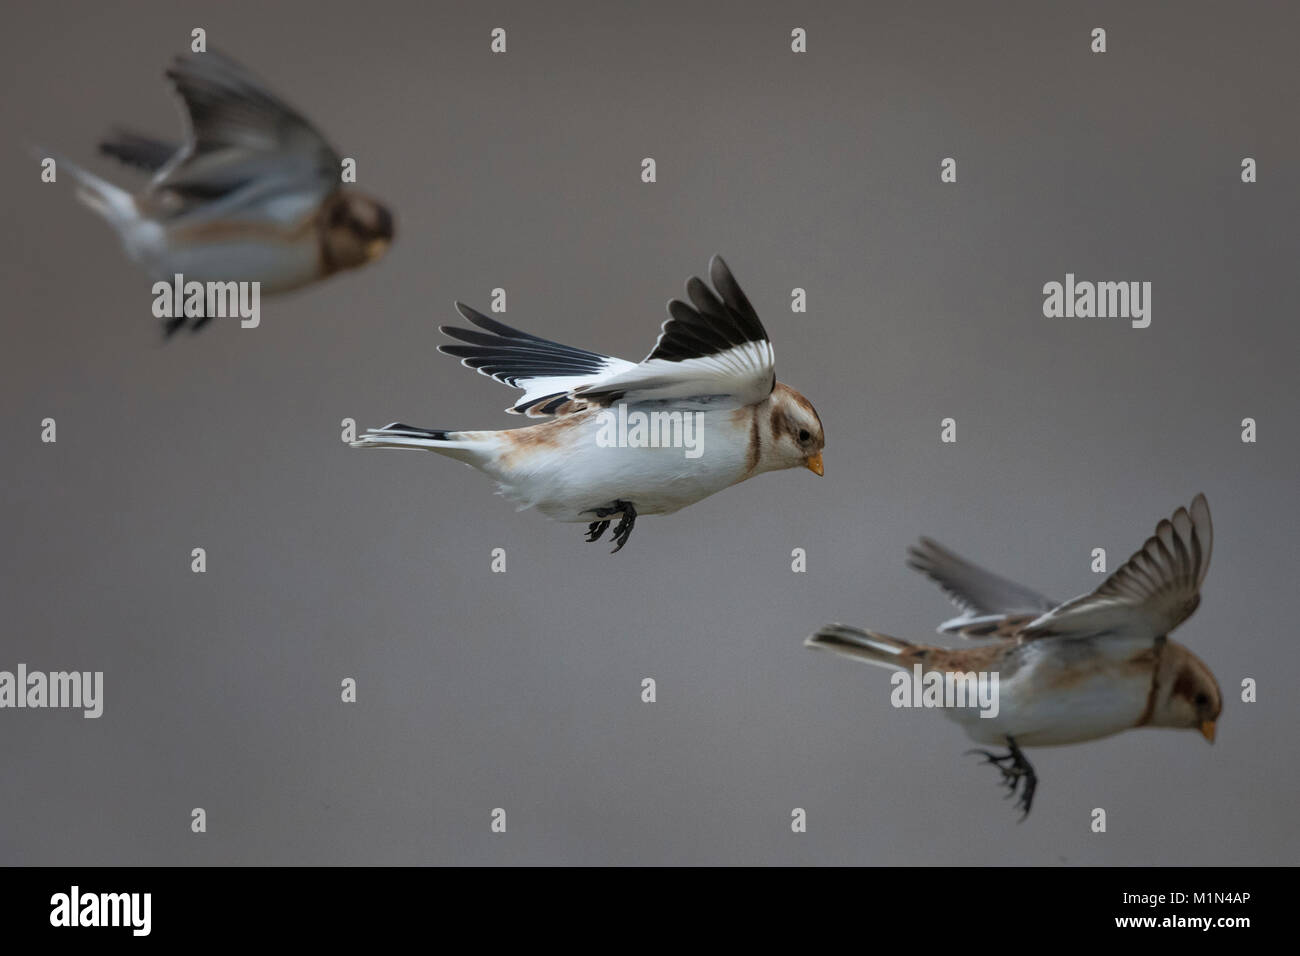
(253, 194)
(710, 378)
(1088, 668)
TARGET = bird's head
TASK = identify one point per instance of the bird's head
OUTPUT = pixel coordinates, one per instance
(357, 230)
(1188, 695)
(795, 437)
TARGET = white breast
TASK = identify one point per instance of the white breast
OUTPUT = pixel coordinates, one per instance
(1062, 698)
(279, 248)
(278, 266)
(565, 482)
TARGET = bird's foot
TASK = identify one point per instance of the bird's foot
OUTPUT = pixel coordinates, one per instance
(1015, 770)
(1010, 773)
(622, 530)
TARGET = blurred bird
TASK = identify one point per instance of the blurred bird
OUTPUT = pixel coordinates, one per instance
(1091, 667)
(253, 194)
(713, 359)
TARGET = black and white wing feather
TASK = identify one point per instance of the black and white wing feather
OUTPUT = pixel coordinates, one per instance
(1151, 594)
(711, 353)
(992, 605)
(547, 371)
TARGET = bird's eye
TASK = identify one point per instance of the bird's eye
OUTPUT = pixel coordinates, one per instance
(803, 434)
(1201, 700)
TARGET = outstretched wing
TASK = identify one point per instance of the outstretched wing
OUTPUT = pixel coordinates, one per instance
(136, 149)
(712, 353)
(240, 137)
(1151, 594)
(547, 371)
(992, 606)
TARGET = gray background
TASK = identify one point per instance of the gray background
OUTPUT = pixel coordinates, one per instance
(522, 690)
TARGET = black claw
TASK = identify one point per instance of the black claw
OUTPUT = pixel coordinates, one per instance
(1027, 795)
(622, 530)
(1018, 770)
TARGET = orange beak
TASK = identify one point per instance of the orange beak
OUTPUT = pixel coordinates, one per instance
(814, 464)
(1207, 730)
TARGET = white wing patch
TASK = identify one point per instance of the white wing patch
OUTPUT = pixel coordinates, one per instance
(711, 353)
(549, 373)
(742, 375)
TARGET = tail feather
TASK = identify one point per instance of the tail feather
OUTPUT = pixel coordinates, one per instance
(411, 431)
(879, 649)
(112, 202)
(459, 445)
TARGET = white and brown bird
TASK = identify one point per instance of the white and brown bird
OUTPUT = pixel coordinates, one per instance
(709, 381)
(253, 194)
(1091, 667)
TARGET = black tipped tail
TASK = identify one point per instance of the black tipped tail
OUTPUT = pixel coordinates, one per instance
(400, 435)
(869, 646)
(410, 431)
